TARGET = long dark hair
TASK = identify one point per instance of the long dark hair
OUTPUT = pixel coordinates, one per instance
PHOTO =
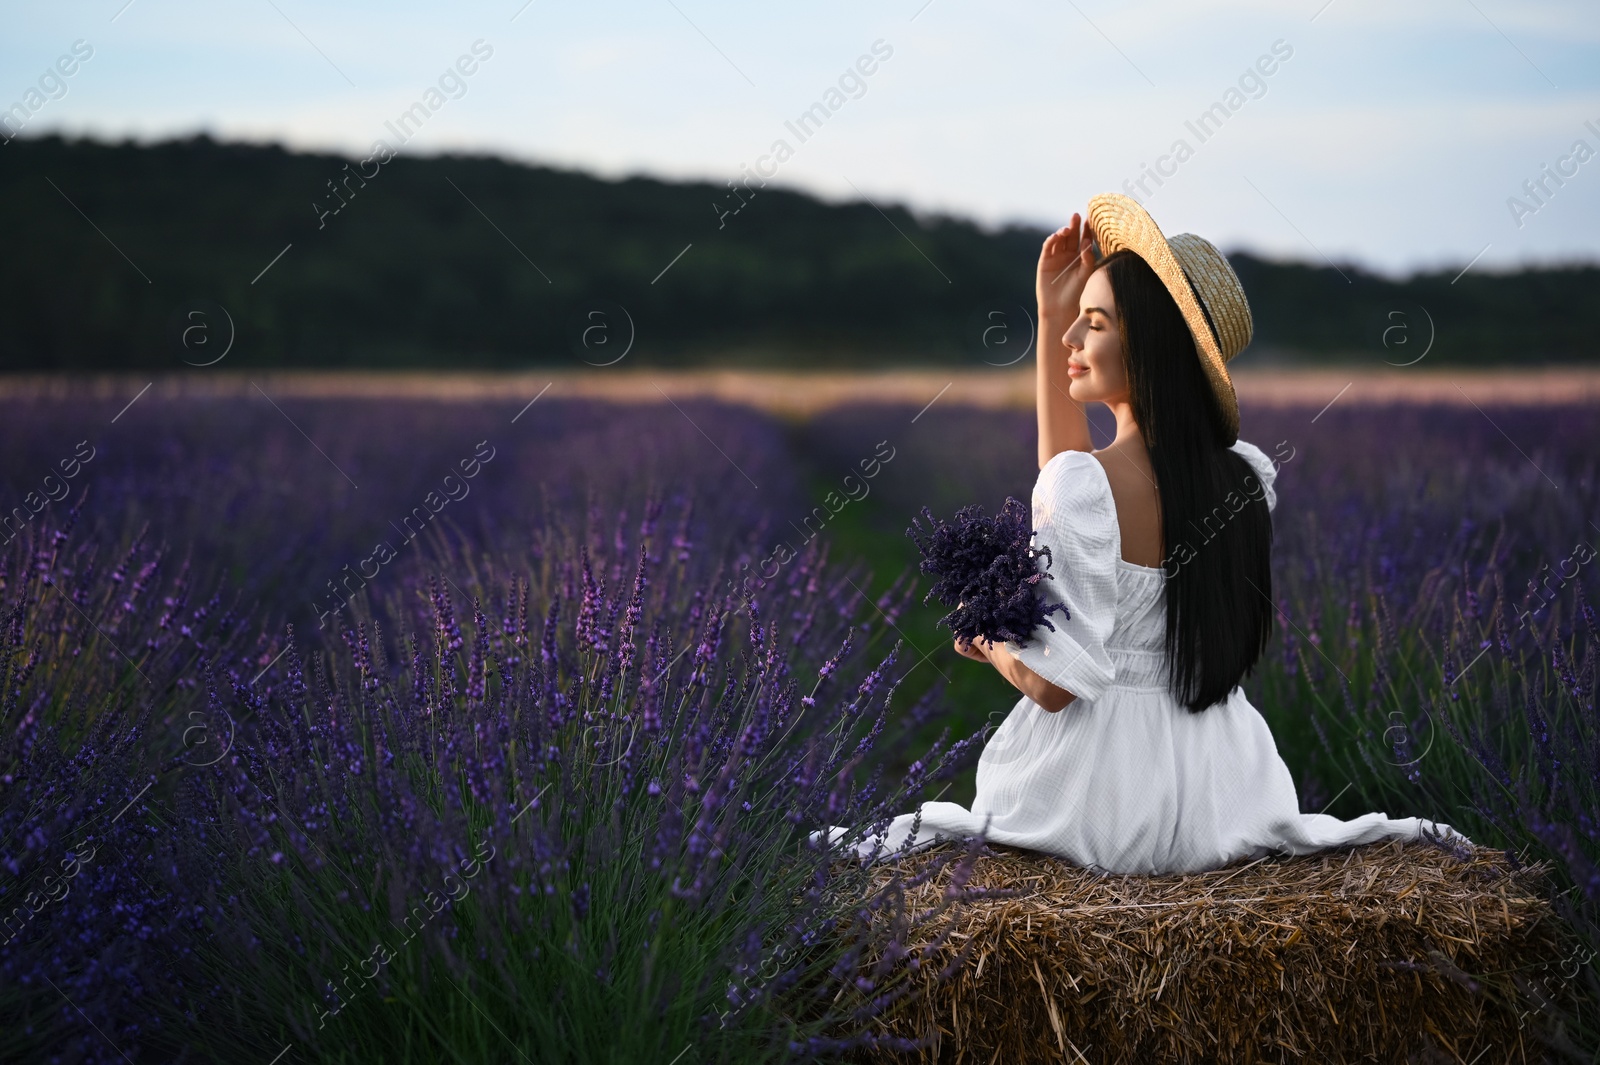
(1219, 590)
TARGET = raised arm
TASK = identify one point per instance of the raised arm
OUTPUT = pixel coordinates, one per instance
(1064, 265)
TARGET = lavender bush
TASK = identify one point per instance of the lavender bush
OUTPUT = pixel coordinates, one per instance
(101, 699)
(498, 805)
(569, 825)
(1439, 642)
(636, 815)
(278, 497)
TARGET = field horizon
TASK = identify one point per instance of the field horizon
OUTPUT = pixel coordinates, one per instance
(803, 393)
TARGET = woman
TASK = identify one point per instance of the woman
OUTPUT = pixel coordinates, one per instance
(1133, 749)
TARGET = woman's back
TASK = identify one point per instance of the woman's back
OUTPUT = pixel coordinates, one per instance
(1138, 503)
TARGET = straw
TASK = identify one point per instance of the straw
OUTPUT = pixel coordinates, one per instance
(1349, 954)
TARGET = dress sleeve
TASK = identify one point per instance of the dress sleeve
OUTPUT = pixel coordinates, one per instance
(1075, 517)
(1263, 468)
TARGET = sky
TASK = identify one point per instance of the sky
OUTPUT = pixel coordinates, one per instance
(1394, 136)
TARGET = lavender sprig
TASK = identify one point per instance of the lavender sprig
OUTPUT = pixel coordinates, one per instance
(987, 572)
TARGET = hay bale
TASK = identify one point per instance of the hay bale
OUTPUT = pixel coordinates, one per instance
(1344, 955)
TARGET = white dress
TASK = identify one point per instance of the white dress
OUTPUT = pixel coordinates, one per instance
(1125, 779)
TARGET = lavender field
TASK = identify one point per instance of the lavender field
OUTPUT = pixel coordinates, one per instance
(408, 731)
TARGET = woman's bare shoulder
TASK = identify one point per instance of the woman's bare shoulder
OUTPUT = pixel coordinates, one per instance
(1135, 501)
(1127, 471)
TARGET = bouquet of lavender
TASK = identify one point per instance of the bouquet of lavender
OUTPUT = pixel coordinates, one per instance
(986, 572)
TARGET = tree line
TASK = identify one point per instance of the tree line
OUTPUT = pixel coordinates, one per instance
(188, 251)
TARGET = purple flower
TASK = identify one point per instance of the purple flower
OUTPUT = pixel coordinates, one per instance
(988, 571)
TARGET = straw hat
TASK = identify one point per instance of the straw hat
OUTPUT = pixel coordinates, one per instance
(1200, 280)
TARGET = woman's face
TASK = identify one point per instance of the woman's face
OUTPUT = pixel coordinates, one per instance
(1095, 369)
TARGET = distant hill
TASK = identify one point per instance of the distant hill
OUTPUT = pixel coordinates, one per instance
(121, 256)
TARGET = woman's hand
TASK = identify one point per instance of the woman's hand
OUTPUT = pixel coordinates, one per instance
(973, 650)
(1065, 262)
(1025, 680)
(1051, 698)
